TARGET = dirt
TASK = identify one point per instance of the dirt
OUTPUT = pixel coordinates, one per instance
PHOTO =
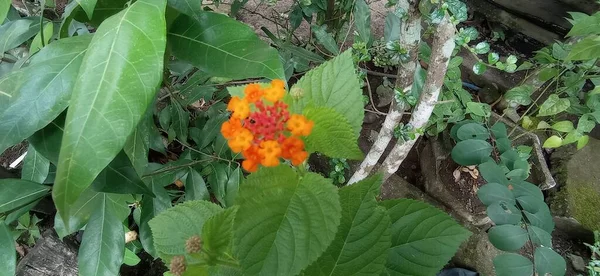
(11, 154)
(466, 187)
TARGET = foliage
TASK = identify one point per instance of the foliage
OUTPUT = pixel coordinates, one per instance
(338, 168)
(594, 264)
(516, 206)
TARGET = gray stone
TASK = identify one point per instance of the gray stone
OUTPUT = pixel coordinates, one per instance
(49, 257)
(577, 262)
(477, 254)
(579, 192)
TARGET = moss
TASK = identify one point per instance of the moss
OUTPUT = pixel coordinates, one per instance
(584, 207)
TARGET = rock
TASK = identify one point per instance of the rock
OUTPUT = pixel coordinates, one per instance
(579, 192)
(577, 262)
(477, 254)
(49, 257)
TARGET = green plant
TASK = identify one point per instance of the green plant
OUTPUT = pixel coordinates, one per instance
(522, 220)
(594, 264)
(339, 167)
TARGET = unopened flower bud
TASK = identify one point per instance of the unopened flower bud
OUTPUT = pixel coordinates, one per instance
(296, 93)
(177, 265)
(193, 245)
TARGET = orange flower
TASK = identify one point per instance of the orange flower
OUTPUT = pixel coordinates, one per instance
(274, 93)
(253, 92)
(299, 125)
(292, 149)
(270, 151)
(239, 107)
(278, 83)
(242, 141)
(230, 128)
(253, 158)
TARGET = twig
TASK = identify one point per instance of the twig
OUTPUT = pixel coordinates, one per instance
(375, 73)
(371, 96)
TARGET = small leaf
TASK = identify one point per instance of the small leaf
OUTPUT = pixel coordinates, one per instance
(482, 48)
(511, 264)
(511, 59)
(326, 39)
(331, 135)
(8, 256)
(583, 141)
(424, 238)
(130, 259)
(473, 131)
(554, 105)
(520, 95)
(195, 187)
(479, 68)
(151, 207)
(15, 193)
(548, 262)
(499, 130)
(479, 109)
(563, 126)
(138, 144)
(217, 233)
(35, 166)
(36, 44)
(508, 237)
(542, 218)
(539, 236)
(553, 142)
(88, 6)
(180, 120)
(362, 14)
(471, 152)
(504, 213)
(543, 125)
(492, 173)
(493, 58)
(494, 193)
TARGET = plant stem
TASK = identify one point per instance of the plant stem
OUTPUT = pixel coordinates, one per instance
(441, 50)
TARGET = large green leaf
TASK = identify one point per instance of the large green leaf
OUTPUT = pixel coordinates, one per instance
(508, 237)
(35, 166)
(103, 244)
(588, 48)
(14, 33)
(15, 193)
(87, 6)
(511, 264)
(471, 152)
(8, 256)
(493, 192)
(188, 7)
(424, 238)
(554, 105)
(548, 262)
(217, 233)
(586, 25)
(118, 79)
(333, 84)
(223, 47)
(173, 227)
(363, 238)
(40, 91)
(151, 207)
(332, 135)
(284, 222)
(87, 203)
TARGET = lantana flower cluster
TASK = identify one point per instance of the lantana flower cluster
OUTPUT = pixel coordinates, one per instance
(262, 128)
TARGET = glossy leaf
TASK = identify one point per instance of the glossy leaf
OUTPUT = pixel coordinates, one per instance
(35, 166)
(41, 91)
(15, 193)
(588, 48)
(130, 258)
(563, 126)
(8, 255)
(471, 152)
(479, 68)
(553, 142)
(284, 222)
(482, 48)
(424, 238)
(333, 84)
(14, 33)
(88, 6)
(119, 177)
(511, 264)
(331, 135)
(508, 237)
(363, 238)
(222, 46)
(173, 227)
(520, 95)
(188, 7)
(548, 262)
(36, 44)
(117, 81)
(103, 243)
(493, 58)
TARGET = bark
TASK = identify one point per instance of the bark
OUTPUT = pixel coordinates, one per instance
(441, 50)
(410, 37)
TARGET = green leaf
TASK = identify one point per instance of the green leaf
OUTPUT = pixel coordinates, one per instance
(87, 204)
(209, 132)
(37, 44)
(119, 177)
(499, 130)
(217, 233)
(520, 95)
(424, 238)
(14, 33)
(548, 262)
(511, 59)
(218, 181)
(479, 68)
(542, 218)
(362, 22)
(482, 48)
(187, 7)
(552, 142)
(391, 31)
(471, 152)
(363, 238)
(479, 109)
(504, 213)
(583, 141)
(195, 187)
(35, 166)
(493, 193)
(511, 264)
(173, 227)
(324, 38)
(224, 47)
(554, 105)
(563, 126)
(508, 237)
(333, 84)
(180, 120)
(284, 222)
(117, 82)
(588, 48)
(473, 131)
(548, 73)
(586, 26)
(87, 6)
(15, 193)
(331, 135)
(130, 258)
(523, 188)
(151, 207)
(8, 256)
(44, 87)
(493, 58)
(138, 144)
(103, 243)
(492, 173)
(4, 8)
(539, 236)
